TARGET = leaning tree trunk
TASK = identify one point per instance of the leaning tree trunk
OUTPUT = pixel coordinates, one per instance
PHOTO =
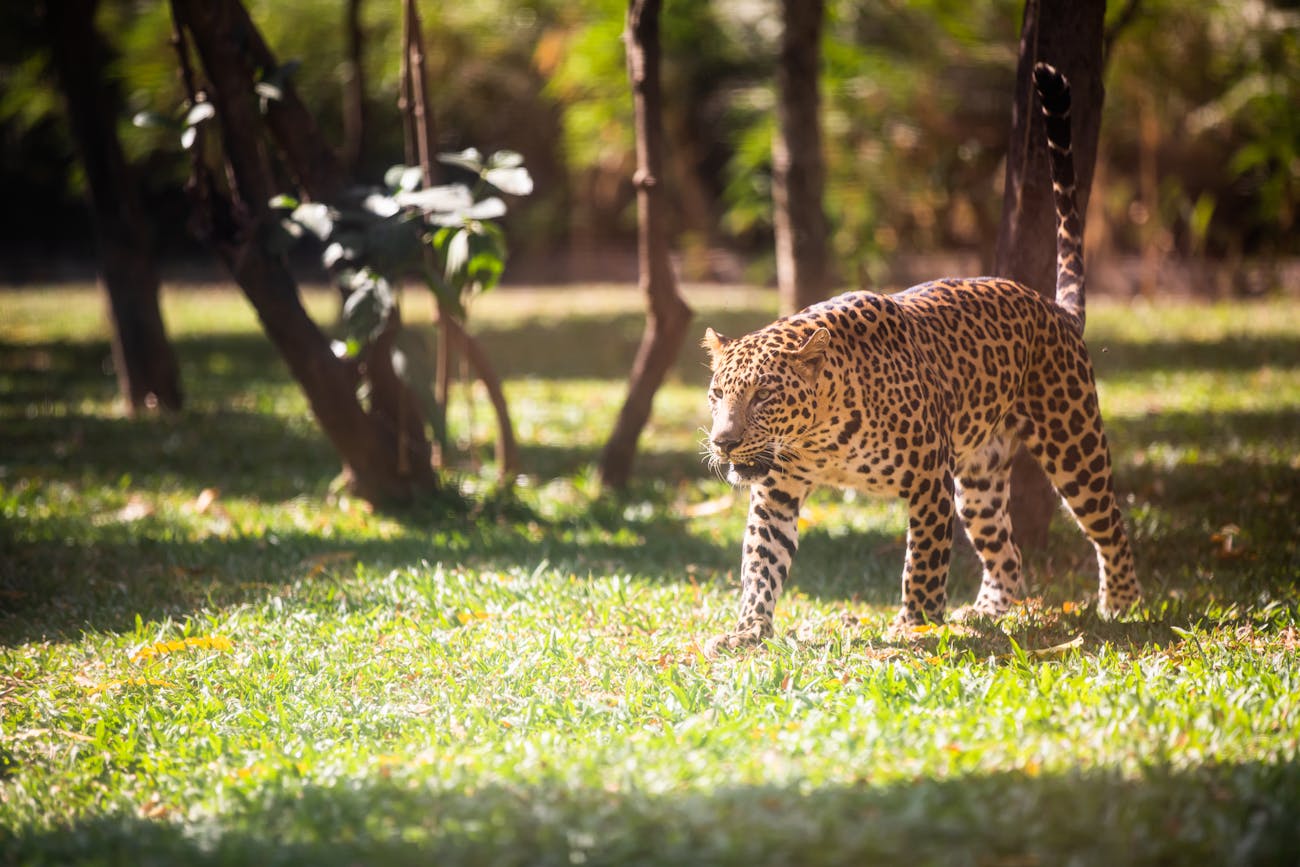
(147, 372)
(667, 313)
(803, 269)
(354, 88)
(1067, 34)
(384, 450)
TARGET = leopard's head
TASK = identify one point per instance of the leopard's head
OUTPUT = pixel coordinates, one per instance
(763, 395)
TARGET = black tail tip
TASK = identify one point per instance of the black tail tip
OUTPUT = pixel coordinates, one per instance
(1053, 88)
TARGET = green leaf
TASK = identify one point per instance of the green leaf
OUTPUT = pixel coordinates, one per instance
(445, 198)
(367, 308)
(283, 201)
(315, 218)
(457, 253)
(505, 159)
(1249, 157)
(485, 269)
(470, 159)
(154, 120)
(380, 205)
(1198, 224)
(1018, 653)
(513, 181)
(200, 112)
(269, 90)
(335, 253)
(405, 178)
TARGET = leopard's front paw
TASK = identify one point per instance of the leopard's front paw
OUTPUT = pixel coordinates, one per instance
(1108, 609)
(749, 637)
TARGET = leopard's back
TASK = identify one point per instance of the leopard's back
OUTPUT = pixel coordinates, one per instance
(987, 343)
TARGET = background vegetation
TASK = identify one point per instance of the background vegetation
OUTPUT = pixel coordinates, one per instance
(206, 657)
(210, 652)
(1200, 145)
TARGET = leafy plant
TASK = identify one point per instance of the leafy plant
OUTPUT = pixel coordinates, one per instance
(379, 236)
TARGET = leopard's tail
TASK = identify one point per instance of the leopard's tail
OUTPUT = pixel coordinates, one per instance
(1054, 95)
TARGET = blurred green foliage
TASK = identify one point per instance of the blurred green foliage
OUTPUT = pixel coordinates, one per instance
(1200, 148)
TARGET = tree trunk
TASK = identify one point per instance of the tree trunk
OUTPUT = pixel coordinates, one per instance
(354, 88)
(1067, 34)
(803, 269)
(667, 313)
(385, 452)
(420, 138)
(147, 372)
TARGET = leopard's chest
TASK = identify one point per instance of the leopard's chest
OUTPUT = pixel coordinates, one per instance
(865, 449)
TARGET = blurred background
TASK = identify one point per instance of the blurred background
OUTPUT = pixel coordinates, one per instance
(1198, 173)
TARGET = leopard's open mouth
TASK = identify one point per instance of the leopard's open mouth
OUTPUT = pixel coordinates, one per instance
(752, 470)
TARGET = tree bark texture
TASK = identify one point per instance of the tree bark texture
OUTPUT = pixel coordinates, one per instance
(667, 313)
(384, 450)
(147, 373)
(354, 88)
(1067, 34)
(803, 269)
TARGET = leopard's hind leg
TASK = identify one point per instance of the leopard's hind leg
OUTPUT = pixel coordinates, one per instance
(982, 489)
(1068, 441)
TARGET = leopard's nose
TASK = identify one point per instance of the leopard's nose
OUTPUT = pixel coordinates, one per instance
(725, 444)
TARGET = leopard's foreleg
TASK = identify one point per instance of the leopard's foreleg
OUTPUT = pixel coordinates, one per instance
(929, 549)
(771, 539)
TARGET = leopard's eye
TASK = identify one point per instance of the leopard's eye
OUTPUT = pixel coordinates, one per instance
(715, 393)
(762, 393)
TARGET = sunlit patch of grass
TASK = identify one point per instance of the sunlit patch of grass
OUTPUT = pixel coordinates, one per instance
(207, 657)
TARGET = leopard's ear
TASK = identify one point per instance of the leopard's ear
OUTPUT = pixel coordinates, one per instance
(714, 342)
(814, 347)
(808, 358)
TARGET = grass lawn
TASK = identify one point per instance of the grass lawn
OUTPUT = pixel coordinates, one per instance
(206, 657)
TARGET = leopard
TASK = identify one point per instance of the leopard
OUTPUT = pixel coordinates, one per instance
(924, 395)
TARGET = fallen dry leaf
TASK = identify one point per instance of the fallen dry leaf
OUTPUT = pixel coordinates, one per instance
(710, 507)
(205, 499)
(136, 508)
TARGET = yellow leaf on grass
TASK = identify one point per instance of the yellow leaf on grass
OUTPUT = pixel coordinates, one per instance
(163, 648)
(709, 507)
(1054, 650)
(130, 681)
(470, 616)
(321, 562)
(136, 508)
(1058, 649)
(205, 500)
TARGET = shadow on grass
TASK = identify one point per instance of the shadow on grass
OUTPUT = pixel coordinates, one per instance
(241, 453)
(60, 577)
(1115, 357)
(214, 367)
(608, 345)
(1224, 813)
(1224, 432)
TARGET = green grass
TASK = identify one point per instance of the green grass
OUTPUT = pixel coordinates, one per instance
(523, 685)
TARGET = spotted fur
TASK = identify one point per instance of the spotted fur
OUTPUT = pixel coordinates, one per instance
(923, 395)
